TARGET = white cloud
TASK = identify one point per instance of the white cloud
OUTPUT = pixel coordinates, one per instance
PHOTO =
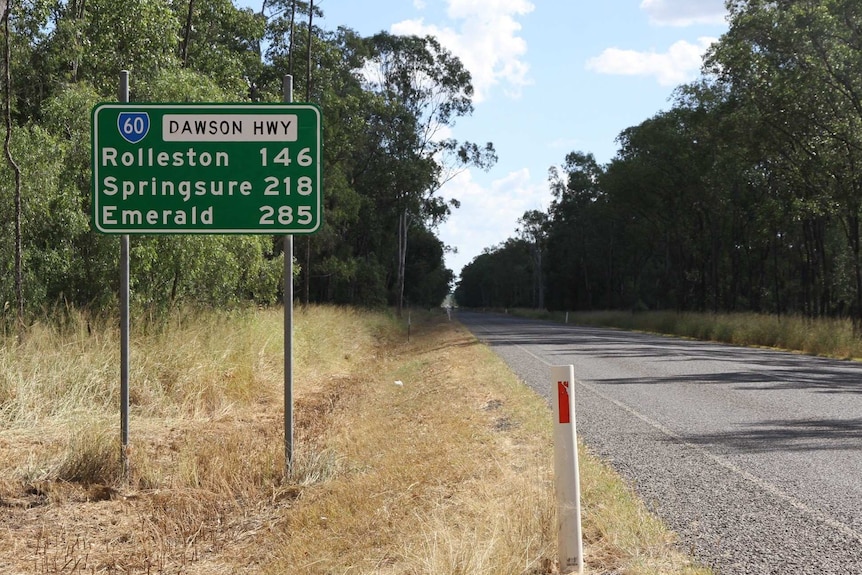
(485, 38)
(680, 64)
(684, 12)
(488, 215)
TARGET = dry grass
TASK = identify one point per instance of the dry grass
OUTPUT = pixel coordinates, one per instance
(829, 337)
(447, 473)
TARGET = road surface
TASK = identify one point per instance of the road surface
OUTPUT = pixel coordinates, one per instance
(753, 456)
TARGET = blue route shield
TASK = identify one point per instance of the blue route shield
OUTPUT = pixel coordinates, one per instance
(133, 126)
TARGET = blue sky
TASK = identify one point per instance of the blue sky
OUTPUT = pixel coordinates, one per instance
(551, 77)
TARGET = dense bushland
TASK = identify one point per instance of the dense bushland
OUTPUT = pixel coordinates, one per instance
(745, 195)
(384, 100)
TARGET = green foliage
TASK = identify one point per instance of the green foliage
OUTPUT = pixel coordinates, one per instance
(223, 44)
(66, 56)
(90, 276)
(136, 35)
(179, 85)
(428, 281)
(51, 217)
(213, 270)
(499, 277)
(745, 196)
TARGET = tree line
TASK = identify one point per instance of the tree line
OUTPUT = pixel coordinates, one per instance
(384, 100)
(745, 195)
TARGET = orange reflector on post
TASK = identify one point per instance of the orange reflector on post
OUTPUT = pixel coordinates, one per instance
(563, 401)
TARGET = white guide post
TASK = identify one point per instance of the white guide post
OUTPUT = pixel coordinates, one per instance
(566, 478)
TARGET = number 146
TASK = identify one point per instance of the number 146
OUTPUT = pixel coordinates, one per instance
(303, 158)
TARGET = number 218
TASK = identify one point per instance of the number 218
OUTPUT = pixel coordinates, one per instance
(304, 186)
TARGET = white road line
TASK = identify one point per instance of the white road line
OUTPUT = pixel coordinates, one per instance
(773, 490)
(764, 485)
(522, 348)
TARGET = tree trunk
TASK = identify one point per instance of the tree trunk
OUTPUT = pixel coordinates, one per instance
(7, 97)
(539, 280)
(292, 29)
(853, 227)
(308, 99)
(402, 262)
(308, 60)
(306, 292)
(184, 56)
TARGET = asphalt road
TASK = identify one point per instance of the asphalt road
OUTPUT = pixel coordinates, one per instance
(753, 456)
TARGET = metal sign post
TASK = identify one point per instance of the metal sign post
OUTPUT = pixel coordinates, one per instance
(287, 90)
(207, 169)
(124, 321)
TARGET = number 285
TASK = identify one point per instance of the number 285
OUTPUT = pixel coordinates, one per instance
(284, 215)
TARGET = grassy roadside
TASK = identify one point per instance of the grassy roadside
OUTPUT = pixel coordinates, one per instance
(427, 457)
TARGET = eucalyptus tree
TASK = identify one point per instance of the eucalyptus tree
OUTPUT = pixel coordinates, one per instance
(291, 38)
(80, 52)
(533, 228)
(798, 64)
(499, 277)
(385, 157)
(96, 39)
(11, 162)
(572, 235)
(426, 89)
(90, 278)
(333, 261)
(428, 280)
(640, 264)
(222, 43)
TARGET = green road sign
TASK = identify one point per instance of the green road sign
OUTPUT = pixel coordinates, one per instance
(207, 168)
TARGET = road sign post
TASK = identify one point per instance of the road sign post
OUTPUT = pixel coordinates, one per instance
(207, 168)
(566, 476)
(287, 96)
(124, 320)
